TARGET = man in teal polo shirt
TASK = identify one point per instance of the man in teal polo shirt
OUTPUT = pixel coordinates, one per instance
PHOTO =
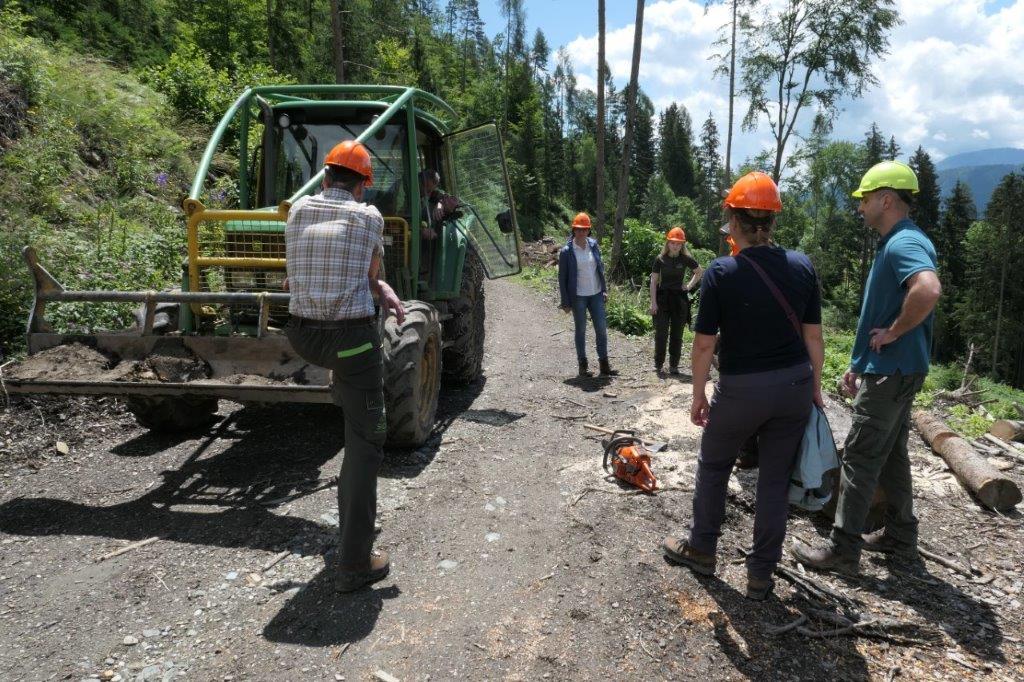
(889, 363)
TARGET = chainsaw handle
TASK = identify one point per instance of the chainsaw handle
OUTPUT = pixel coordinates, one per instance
(617, 441)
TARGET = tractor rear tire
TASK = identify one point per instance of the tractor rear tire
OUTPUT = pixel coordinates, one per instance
(412, 374)
(165, 414)
(464, 331)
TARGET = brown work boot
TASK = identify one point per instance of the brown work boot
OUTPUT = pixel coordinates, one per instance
(584, 370)
(606, 369)
(351, 579)
(758, 589)
(680, 552)
(827, 558)
(880, 542)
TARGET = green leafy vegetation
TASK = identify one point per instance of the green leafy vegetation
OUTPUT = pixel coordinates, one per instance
(92, 181)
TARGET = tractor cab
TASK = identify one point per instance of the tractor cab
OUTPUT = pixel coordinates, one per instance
(424, 252)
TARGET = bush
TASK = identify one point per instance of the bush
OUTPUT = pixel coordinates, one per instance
(628, 311)
(967, 422)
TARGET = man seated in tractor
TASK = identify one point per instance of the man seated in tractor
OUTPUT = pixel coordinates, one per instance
(438, 205)
(333, 246)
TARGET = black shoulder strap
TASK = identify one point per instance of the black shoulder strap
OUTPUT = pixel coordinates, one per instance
(788, 309)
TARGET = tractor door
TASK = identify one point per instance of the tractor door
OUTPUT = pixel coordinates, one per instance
(480, 181)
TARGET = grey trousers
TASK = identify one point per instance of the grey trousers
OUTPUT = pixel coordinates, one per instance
(775, 406)
(357, 385)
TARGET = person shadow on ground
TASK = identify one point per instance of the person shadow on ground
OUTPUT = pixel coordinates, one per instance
(742, 629)
(318, 616)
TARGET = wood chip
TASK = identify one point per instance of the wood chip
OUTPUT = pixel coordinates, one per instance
(385, 677)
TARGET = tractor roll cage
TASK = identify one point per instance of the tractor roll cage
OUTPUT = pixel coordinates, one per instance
(393, 98)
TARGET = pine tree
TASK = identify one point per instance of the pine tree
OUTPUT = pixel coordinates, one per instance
(892, 152)
(675, 150)
(927, 202)
(958, 214)
(644, 154)
(1005, 212)
(874, 147)
(710, 183)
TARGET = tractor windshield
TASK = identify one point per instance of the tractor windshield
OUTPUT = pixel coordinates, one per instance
(302, 148)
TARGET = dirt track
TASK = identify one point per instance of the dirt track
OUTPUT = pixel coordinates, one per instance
(512, 556)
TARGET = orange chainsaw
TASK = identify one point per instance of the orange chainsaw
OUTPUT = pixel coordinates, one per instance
(627, 459)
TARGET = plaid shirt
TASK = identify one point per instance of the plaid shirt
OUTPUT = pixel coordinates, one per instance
(330, 239)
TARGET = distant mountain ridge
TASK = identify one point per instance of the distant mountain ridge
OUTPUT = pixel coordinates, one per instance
(983, 157)
(981, 170)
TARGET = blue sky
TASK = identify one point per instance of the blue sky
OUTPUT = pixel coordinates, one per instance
(952, 81)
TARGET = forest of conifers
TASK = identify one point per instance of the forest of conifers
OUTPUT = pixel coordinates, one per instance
(133, 148)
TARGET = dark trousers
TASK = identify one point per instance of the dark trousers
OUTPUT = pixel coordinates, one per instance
(776, 406)
(673, 313)
(353, 355)
(876, 455)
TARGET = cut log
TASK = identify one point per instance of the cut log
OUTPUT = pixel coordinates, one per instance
(1007, 429)
(989, 486)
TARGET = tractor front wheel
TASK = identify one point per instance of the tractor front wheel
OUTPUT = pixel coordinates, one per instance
(464, 332)
(412, 374)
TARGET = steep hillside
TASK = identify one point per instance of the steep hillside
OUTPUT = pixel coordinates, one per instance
(93, 166)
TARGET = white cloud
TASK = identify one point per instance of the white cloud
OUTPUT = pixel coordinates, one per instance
(951, 81)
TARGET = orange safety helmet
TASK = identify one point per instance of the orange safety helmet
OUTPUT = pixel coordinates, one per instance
(354, 156)
(581, 221)
(755, 190)
(676, 234)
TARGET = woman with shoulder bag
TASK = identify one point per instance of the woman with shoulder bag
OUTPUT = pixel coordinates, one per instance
(670, 303)
(765, 301)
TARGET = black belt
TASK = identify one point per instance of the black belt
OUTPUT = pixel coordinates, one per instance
(331, 324)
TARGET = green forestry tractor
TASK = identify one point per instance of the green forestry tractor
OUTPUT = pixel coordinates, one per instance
(227, 317)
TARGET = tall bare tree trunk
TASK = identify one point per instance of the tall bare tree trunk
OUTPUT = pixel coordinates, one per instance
(599, 162)
(270, 33)
(622, 200)
(732, 97)
(339, 41)
(999, 308)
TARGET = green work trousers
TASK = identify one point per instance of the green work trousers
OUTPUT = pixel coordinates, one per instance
(876, 455)
(353, 354)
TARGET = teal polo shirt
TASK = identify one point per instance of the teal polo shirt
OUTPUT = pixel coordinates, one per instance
(902, 253)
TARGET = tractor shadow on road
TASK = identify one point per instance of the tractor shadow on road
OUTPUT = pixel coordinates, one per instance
(221, 492)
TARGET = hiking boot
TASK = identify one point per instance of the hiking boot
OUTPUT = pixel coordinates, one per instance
(659, 369)
(351, 579)
(827, 558)
(880, 542)
(758, 589)
(584, 371)
(606, 369)
(673, 369)
(680, 552)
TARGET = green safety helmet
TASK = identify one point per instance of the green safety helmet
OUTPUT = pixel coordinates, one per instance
(888, 174)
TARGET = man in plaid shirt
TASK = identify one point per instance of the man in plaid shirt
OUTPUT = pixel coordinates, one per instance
(334, 244)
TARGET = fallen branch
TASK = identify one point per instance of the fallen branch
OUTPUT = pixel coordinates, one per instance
(1007, 450)
(948, 563)
(788, 626)
(127, 548)
(275, 560)
(641, 637)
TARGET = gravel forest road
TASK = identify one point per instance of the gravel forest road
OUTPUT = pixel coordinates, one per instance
(513, 557)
